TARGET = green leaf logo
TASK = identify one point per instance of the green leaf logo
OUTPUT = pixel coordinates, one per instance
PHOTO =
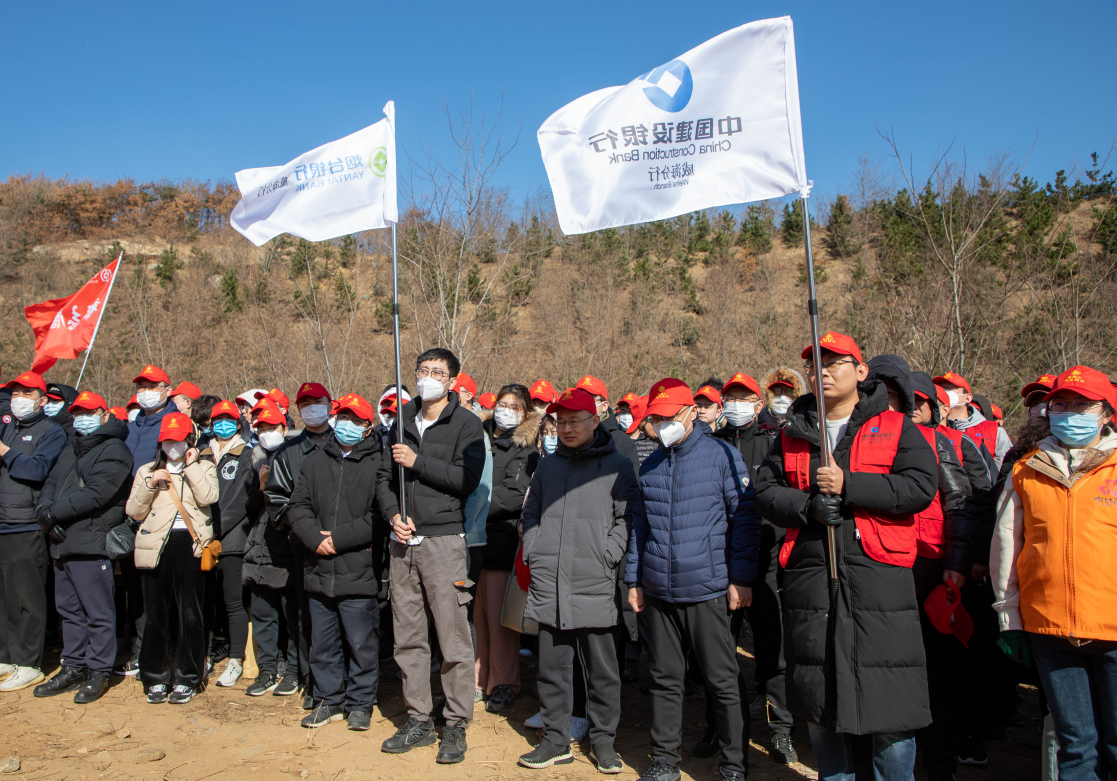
(378, 161)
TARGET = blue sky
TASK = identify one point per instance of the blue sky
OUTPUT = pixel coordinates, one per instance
(200, 90)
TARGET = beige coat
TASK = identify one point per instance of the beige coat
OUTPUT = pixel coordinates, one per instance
(198, 488)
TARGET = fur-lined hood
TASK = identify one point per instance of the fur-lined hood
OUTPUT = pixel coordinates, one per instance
(786, 374)
(524, 434)
(481, 412)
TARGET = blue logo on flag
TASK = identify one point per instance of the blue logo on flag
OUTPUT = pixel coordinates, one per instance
(672, 86)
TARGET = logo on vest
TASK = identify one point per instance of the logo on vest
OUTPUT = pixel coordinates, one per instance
(229, 470)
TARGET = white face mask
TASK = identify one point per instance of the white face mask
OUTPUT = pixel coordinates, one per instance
(333, 421)
(506, 418)
(670, 432)
(270, 440)
(954, 398)
(430, 389)
(149, 399)
(175, 451)
(315, 414)
(386, 420)
(740, 413)
(781, 404)
(52, 408)
(23, 408)
(625, 419)
(133, 414)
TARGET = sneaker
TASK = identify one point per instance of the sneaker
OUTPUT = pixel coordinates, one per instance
(453, 746)
(288, 686)
(360, 720)
(971, 752)
(545, 755)
(709, 745)
(232, 673)
(157, 694)
(218, 651)
(579, 728)
(606, 758)
(783, 752)
(478, 696)
(323, 715)
(129, 668)
(65, 680)
(96, 684)
(660, 771)
(413, 733)
(181, 694)
(731, 775)
(267, 682)
(501, 699)
(535, 722)
(22, 678)
(209, 668)
(758, 708)
(6, 670)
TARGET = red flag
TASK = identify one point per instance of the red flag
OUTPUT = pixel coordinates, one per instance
(65, 326)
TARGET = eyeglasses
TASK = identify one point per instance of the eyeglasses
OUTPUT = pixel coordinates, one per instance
(572, 423)
(828, 366)
(437, 374)
(1079, 406)
(502, 405)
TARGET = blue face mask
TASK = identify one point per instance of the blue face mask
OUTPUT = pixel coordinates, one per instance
(86, 424)
(348, 433)
(208, 431)
(550, 442)
(224, 428)
(52, 408)
(1076, 429)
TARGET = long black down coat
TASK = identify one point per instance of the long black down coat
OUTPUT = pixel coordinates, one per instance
(871, 675)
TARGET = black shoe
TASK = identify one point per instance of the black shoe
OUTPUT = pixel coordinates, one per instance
(323, 715)
(360, 720)
(288, 685)
(783, 752)
(501, 699)
(545, 755)
(182, 694)
(606, 758)
(129, 668)
(660, 771)
(732, 775)
(65, 680)
(631, 670)
(452, 748)
(262, 685)
(308, 702)
(709, 745)
(157, 694)
(413, 733)
(95, 685)
(218, 652)
(971, 752)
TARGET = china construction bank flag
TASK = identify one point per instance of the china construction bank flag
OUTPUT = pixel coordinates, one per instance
(339, 188)
(715, 126)
(65, 326)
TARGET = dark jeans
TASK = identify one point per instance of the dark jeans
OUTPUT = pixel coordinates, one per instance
(274, 610)
(597, 652)
(358, 618)
(173, 651)
(893, 755)
(227, 602)
(84, 595)
(23, 577)
(704, 628)
(1081, 687)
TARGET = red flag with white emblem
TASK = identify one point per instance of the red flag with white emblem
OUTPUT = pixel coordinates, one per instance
(65, 326)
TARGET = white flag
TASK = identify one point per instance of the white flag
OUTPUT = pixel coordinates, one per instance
(343, 187)
(716, 126)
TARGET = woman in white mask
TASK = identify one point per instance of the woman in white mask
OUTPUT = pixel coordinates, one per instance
(781, 386)
(168, 552)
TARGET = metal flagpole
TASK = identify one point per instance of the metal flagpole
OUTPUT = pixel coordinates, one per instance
(399, 376)
(816, 354)
(97, 327)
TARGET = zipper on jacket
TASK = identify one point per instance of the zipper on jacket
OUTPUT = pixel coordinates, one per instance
(337, 503)
(670, 519)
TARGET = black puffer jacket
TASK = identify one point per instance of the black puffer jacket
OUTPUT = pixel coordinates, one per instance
(514, 462)
(625, 446)
(645, 446)
(338, 494)
(286, 466)
(865, 671)
(241, 498)
(88, 488)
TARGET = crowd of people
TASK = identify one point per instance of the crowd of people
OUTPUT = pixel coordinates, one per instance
(899, 575)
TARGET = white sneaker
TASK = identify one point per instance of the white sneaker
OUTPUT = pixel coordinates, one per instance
(536, 721)
(6, 670)
(22, 678)
(579, 728)
(232, 673)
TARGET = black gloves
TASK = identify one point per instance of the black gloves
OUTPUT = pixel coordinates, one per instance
(45, 516)
(825, 509)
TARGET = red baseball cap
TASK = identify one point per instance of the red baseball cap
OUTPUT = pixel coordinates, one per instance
(333, 406)
(358, 405)
(1085, 382)
(29, 380)
(1043, 383)
(133, 402)
(944, 400)
(87, 400)
(313, 389)
(543, 391)
(594, 386)
(264, 404)
(175, 427)
(389, 406)
(742, 380)
(949, 617)
(272, 416)
(576, 399)
(710, 393)
(668, 396)
(998, 413)
(279, 397)
(189, 390)
(639, 407)
(950, 378)
(225, 408)
(487, 400)
(629, 399)
(466, 383)
(835, 343)
(119, 413)
(153, 374)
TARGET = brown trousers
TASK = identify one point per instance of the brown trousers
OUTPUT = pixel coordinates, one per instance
(498, 647)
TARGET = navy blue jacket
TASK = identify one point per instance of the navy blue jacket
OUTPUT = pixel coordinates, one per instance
(694, 529)
(143, 436)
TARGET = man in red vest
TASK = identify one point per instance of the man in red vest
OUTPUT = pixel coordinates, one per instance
(859, 668)
(964, 416)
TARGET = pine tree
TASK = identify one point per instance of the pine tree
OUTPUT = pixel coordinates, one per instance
(840, 237)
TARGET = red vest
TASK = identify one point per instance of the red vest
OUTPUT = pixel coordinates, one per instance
(885, 539)
(955, 436)
(984, 433)
(929, 522)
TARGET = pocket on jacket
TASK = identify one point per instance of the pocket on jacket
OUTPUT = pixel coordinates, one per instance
(710, 551)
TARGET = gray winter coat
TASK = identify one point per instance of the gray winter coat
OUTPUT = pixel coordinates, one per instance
(576, 519)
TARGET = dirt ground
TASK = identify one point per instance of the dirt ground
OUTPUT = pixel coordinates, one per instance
(225, 735)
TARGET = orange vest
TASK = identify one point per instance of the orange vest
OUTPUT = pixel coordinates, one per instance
(888, 540)
(1067, 571)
